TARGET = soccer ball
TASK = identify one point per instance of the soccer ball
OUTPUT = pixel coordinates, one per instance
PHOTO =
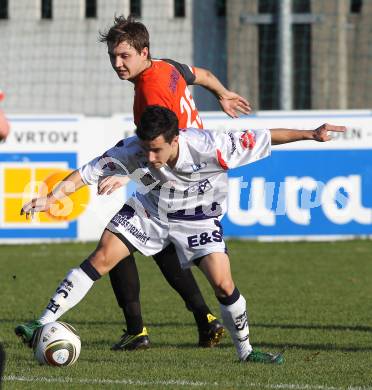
(56, 344)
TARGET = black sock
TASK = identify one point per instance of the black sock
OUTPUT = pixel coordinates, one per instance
(183, 281)
(231, 299)
(125, 283)
(88, 268)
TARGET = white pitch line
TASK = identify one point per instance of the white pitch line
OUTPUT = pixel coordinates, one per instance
(176, 382)
(13, 378)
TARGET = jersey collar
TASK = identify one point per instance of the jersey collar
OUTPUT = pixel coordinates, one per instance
(181, 151)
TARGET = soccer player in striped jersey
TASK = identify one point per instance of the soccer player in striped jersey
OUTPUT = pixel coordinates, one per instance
(172, 205)
(162, 82)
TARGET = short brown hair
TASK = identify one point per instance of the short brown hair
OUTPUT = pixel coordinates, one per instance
(155, 121)
(129, 30)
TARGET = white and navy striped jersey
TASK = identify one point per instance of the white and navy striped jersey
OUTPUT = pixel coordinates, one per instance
(196, 187)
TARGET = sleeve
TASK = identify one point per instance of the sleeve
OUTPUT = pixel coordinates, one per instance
(238, 148)
(112, 162)
(187, 72)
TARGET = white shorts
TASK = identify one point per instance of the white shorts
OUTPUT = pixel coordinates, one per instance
(149, 235)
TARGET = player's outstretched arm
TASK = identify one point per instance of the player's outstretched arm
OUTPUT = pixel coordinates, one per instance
(230, 102)
(320, 134)
(67, 186)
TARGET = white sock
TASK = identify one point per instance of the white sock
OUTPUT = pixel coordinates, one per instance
(69, 293)
(236, 321)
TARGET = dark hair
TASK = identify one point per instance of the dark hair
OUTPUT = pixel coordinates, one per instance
(155, 121)
(127, 29)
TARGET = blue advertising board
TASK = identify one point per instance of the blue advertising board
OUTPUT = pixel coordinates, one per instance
(302, 193)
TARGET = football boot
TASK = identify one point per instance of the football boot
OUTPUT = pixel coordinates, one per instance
(211, 336)
(257, 356)
(27, 330)
(130, 342)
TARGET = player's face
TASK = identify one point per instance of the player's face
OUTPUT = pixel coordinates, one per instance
(126, 60)
(159, 152)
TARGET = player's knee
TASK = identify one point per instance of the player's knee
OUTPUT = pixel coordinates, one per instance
(100, 261)
(224, 287)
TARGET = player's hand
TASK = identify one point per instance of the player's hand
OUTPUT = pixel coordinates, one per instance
(36, 205)
(231, 102)
(321, 133)
(110, 184)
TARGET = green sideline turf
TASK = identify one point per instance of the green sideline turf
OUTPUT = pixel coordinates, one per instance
(312, 300)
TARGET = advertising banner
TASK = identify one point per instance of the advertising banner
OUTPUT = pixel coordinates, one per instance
(305, 190)
(41, 149)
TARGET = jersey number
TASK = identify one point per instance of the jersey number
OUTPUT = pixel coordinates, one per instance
(187, 104)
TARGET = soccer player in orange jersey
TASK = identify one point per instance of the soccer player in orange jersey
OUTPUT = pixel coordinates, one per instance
(161, 82)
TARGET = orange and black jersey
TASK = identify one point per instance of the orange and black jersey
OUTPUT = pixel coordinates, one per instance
(165, 84)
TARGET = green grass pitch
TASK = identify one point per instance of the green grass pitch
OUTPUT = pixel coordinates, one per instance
(313, 300)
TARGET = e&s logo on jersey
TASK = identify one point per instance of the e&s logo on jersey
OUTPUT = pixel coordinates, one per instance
(28, 175)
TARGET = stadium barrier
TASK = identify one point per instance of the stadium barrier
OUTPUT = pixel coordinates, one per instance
(306, 190)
